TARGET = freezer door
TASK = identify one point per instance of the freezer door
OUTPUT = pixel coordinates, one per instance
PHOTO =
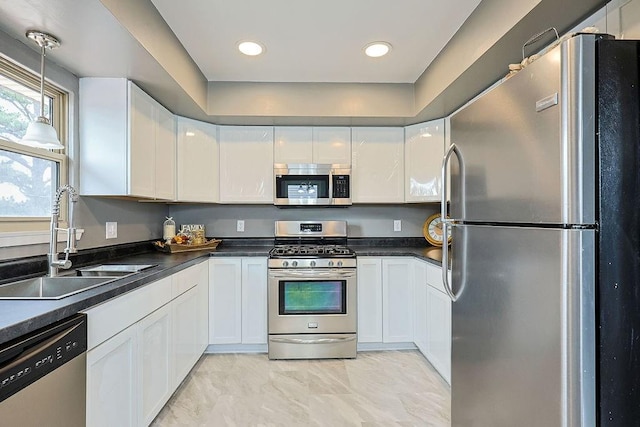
(523, 329)
(527, 145)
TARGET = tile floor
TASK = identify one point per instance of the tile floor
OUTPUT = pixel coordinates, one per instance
(387, 388)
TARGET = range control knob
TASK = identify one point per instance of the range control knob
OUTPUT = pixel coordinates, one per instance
(285, 263)
(339, 263)
(330, 263)
(294, 263)
(312, 263)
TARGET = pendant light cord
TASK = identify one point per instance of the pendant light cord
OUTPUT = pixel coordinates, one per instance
(44, 50)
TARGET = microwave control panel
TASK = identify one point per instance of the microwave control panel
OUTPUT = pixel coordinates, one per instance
(341, 187)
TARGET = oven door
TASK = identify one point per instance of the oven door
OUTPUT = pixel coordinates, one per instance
(312, 301)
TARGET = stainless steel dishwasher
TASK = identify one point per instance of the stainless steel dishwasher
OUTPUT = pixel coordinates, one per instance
(43, 376)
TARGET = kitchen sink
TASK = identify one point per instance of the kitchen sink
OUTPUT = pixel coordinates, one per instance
(50, 287)
(113, 270)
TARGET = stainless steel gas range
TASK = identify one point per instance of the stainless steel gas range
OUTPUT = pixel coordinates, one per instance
(312, 291)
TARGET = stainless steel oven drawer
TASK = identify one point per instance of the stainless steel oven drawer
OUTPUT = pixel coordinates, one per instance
(315, 346)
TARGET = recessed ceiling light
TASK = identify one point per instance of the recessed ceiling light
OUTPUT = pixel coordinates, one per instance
(377, 49)
(250, 48)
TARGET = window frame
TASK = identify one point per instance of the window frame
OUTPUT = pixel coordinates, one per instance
(13, 228)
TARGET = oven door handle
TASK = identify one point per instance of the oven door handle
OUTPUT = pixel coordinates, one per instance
(312, 341)
(311, 274)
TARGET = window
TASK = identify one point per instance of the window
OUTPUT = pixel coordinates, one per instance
(29, 176)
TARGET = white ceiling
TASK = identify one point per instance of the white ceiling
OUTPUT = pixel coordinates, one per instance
(314, 41)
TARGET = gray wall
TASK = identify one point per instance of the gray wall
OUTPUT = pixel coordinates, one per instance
(363, 220)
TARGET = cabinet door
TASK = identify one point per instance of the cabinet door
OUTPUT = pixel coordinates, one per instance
(225, 301)
(142, 137)
(377, 156)
(369, 299)
(154, 363)
(165, 166)
(420, 299)
(112, 395)
(203, 307)
(292, 145)
(185, 334)
(254, 300)
(197, 158)
(397, 297)
(424, 149)
(332, 145)
(439, 331)
(246, 164)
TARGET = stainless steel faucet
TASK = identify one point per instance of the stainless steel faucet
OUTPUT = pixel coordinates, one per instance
(54, 262)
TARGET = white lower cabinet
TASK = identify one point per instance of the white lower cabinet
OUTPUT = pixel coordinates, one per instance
(225, 300)
(397, 300)
(112, 393)
(439, 331)
(385, 300)
(369, 300)
(154, 362)
(184, 310)
(141, 346)
(438, 312)
(238, 300)
(254, 301)
(420, 311)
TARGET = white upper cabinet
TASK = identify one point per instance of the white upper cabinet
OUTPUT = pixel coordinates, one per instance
(198, 161)
(246, 164)
(293, 145)
(127, 141)
(327, 145)
(377, 173)
(424, 149)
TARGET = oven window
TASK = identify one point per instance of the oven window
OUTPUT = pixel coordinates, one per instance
(313, 297)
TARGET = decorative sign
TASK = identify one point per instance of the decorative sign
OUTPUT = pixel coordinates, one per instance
(196, 231)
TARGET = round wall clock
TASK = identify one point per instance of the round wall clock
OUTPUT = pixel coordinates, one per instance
(432, 230)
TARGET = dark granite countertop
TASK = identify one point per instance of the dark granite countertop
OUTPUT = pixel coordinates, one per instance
(18, 317)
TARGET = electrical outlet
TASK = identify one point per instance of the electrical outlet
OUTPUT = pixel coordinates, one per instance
(397, 225)
(240, 226)
(111, 230)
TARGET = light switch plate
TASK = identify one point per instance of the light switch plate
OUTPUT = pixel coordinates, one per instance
(240, 226)
(111, 230)
(397, 225)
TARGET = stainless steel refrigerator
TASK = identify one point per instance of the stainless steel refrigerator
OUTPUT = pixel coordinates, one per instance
(545, 217)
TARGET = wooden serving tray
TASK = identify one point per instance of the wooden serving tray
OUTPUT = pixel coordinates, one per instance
(171, 248)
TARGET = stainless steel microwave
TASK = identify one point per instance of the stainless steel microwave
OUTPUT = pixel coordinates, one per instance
(312, 184)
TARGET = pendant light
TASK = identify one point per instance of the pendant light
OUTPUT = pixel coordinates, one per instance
(40, 133)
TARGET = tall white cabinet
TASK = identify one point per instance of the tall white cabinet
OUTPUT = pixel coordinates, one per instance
(327, 145)
(198, 159)
(423, 152)
(246, 164)
(127, 141)
(377, 158)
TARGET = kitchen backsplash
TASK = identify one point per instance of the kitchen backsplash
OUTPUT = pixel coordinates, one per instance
(363, 220)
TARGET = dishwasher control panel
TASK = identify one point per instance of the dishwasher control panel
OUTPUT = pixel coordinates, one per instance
(29, 358)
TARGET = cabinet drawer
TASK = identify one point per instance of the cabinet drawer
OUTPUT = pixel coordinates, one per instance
(113, 316)
(186, 279)
(434, 278)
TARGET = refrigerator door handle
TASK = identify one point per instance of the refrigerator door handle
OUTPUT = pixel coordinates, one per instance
(450, 222)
